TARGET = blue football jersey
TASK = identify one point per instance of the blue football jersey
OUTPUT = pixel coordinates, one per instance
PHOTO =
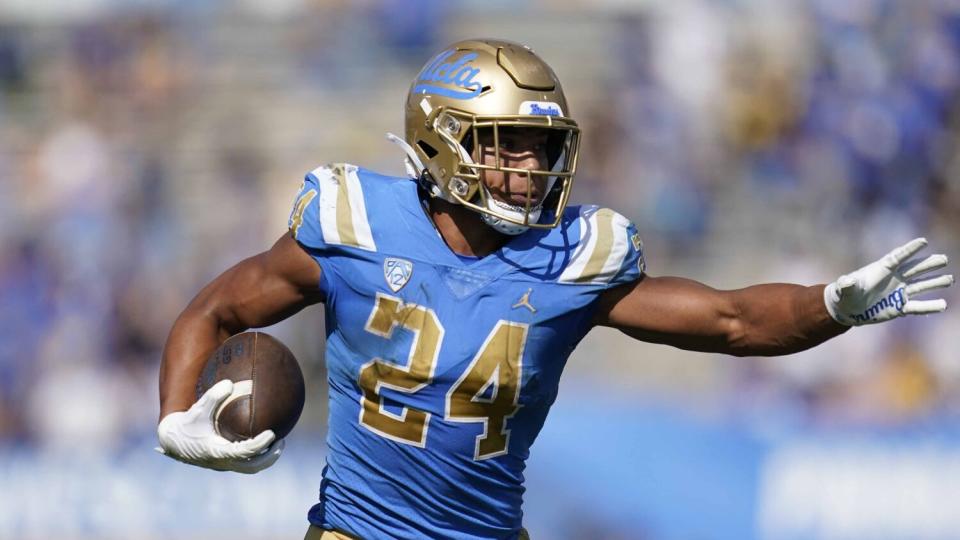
(441, 368)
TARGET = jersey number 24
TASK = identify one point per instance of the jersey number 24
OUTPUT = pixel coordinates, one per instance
(487, 392)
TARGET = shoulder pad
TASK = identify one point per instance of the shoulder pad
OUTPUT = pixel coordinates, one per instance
(609, 250)
(340, 208)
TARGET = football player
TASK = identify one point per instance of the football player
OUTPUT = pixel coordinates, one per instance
(454, 296)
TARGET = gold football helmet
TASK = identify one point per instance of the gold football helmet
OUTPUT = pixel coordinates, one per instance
(486, 84)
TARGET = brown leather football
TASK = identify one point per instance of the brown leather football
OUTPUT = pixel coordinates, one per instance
(268, 390)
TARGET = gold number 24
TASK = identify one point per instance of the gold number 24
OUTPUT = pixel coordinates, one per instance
(487, 392)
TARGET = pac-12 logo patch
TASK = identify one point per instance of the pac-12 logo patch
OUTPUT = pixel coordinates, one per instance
(397, 272)
(638, 246)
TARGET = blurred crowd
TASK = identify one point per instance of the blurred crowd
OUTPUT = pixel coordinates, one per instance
(144, 149)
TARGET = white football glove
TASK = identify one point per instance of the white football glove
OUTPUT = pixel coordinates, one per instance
(190, 436)
(882, 290)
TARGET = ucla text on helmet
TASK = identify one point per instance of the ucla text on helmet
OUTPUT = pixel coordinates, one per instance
(458, 73)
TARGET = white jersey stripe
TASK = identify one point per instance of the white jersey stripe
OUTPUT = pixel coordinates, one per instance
(358, 209)
(327, 205)
(588, 242)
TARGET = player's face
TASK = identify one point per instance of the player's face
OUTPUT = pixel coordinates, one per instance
(523, 148)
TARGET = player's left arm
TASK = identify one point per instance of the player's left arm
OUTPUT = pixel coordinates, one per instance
(776, 318)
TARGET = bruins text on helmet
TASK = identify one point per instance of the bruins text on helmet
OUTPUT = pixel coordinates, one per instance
(484, 86)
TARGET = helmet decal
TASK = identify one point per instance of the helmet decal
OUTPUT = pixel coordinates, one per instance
(542, 108)
(458, 73)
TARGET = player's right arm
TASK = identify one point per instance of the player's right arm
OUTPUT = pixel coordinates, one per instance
(259, 291)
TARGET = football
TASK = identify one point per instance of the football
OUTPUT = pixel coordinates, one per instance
(268, 390)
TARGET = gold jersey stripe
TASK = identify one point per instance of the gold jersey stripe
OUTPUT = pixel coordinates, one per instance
(344, 213)
(296, 219)
(601, 250)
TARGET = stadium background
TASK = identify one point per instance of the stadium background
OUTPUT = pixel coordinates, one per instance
(147, 145)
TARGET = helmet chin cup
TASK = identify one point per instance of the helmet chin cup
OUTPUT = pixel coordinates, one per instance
(501, 225)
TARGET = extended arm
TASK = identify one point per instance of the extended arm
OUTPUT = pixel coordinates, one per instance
(258, 291)
(768, 319)
(773, 319)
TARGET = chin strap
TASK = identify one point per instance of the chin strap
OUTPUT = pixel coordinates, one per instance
(412, 163)
(415, 168)
(514, 212)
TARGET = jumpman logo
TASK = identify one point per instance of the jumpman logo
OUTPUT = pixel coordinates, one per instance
(525, 302)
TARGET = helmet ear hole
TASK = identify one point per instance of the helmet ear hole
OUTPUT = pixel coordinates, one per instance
(428, 150)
